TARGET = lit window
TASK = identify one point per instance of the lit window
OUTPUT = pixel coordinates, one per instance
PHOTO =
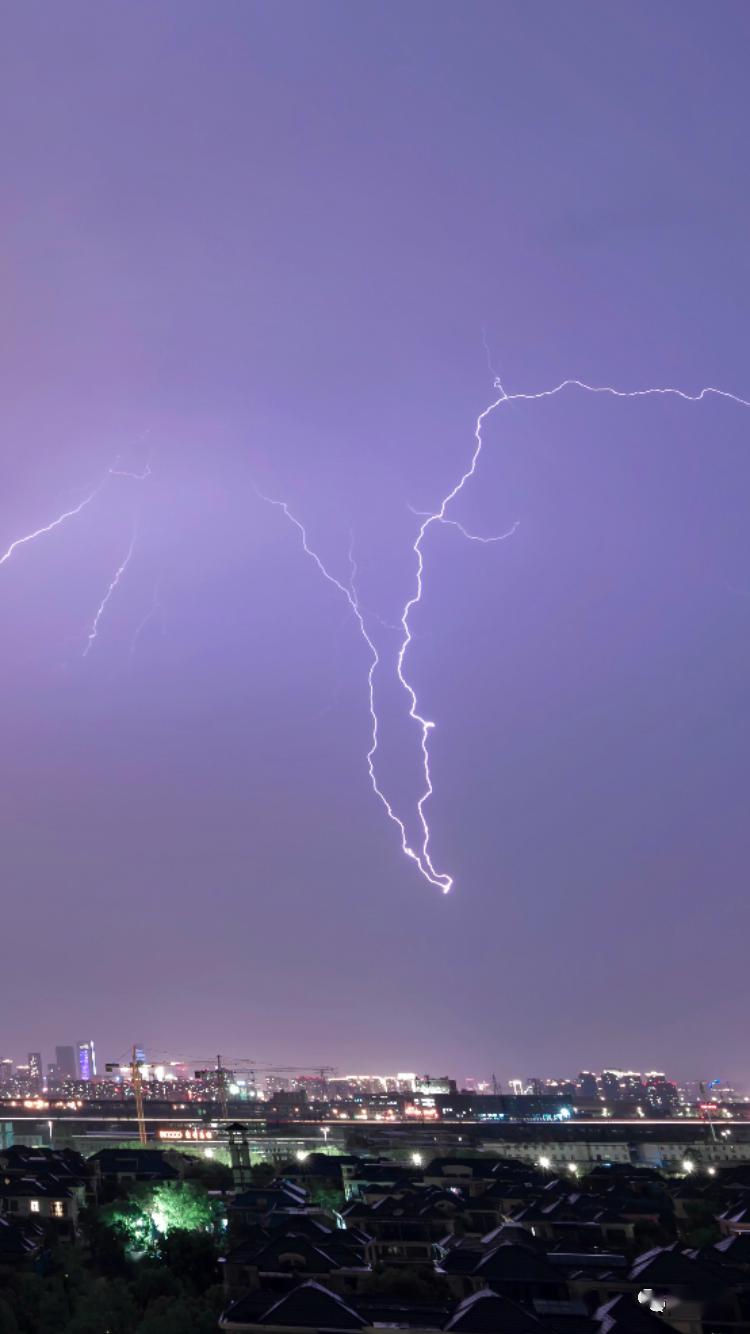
(58, 1208)
(34, 1206)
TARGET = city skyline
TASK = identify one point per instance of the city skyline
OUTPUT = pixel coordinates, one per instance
(86, 1065)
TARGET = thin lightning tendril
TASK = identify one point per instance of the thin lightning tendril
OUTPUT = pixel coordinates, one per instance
(136, 476)
(119, 572)
(153, 610)
(471, 537)
(350, 593)
(114, 471)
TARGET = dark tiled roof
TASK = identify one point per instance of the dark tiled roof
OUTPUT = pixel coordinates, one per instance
(312, 1306)
(666, 1266)
(142, 1162)
(41, 1162)
(511, 1232)
(516, 1264)
(281, 1254)
(486, 1313)
(49, 1188)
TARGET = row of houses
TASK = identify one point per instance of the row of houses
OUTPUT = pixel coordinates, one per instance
(491, 1246)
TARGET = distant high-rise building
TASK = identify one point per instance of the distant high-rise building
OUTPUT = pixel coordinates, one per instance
(86, 1060)
(611, 1083)
(587, 1083)
(65, 1061)
(35, 1068)
(631, 1085)
(661, 1095)
(6, 1071)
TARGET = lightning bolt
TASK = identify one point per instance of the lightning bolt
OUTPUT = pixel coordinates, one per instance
(350, 593)
(422, 857)
(119, 572)
(438, 516)
(47, 528)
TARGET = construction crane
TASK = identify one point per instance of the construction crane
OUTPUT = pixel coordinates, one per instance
(136, 1080)
(136, 1083)
(229, 1066)
(222, 1087)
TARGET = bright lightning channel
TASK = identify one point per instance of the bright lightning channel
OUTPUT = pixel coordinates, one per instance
(114, 471)
(119, 572)
(47, 528)
(350, 593)
(423, 858)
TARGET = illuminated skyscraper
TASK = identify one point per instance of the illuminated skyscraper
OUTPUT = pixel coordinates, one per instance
(35, 1069)
(86, 1060)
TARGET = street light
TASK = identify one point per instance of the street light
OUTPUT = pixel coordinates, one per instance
(544, 1162)
(416, 1159)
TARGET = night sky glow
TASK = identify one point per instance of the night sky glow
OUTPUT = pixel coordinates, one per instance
(256, 263)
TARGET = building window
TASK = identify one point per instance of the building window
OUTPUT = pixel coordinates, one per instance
(58, 1208)
(34, 1206)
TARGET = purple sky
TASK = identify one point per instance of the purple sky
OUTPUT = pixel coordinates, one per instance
(270, 235)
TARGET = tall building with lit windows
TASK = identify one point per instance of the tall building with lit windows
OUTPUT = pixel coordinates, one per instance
(35, 1069)
(86, 1060)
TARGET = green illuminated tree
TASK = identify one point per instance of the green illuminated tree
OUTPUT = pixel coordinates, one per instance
(152, 1213)
(181, 1206)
